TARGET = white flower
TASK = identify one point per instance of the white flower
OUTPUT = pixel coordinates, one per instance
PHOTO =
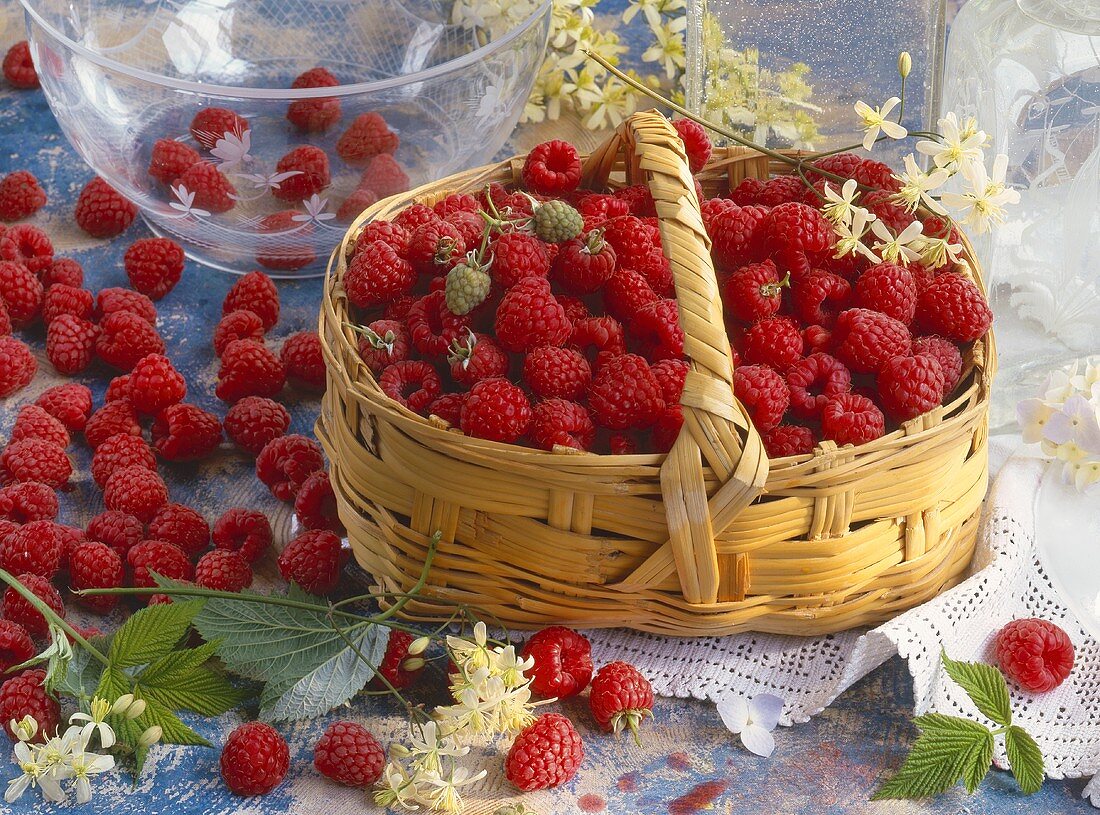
(901, 248)
(100, 708)
(916, 184)
(1082, 474)
(1033, 414)
(841, 205)
(441, 792)
(33, 774)
(396, 788)
(1086, 381)
(754, 720)
(983, 204)
(851, 236)
(232, 149)
(25, 729)
(150, 736)
(54, 756)
(1078, 422)
(668, 47)
(874, 120)
(185, 203)
(314, 210)
(935, 252)
(82, 765)
(958, 147)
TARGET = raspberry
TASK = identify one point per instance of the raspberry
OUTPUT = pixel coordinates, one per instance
(813, 380)
(155, 384)
(496, 410)
(248, 369)
(584, 264)
(135, 490)
(34, 548)
(850, 418)
(563, 661)
(517, 255)
(864, 340)
(398, 309)
(890, 289)
(377, 274)
(953, 307)
(16, 646)
(180, 525)
(387, 232)
(118, 389)
(17, 366)
(556, 222)
(621, 698)
(763, 393)
(71, 344)
(255, 759)
(392, 668)
(775, 342)
(33, 422)
(102, 211)
(303, 360)
(736, 235)
(597, 208)
(754, 292)
(313, 560)
(18, 610)
(797, 231)
(947, 354)
(289, 248)
(254, 421)
(414, 216)
(529, 316)
(476, 359)
(116, 529)
(71, 537)
(254, 292)
(656, 327)
(70, 404)
(170, 159)
(118, 451)
(166, 559)
(561, 423)
(467, 286)
(349, 754)
(20, 292)
(432, 326)
(557, 372)
(435, 247)
(819, 296)
(448, 407)
(552, 168)
(35, 460)
(19, 69)
(213, 123)
(625, 394)
(125, 338)
(314, 115)
(575, 308)
(712, 208)
(788, 440)
(28, 245)
(638, 199)
(27, 501)
(61, 299)
(20, 196)
(671, 375)
(352, 206)
(782, 189)
(223, 570)
(108, 301)
(311, 175)
(454, 203)
(154, 266)
(315, 505)
(894, 215)
(384, 176)
(95, 565)
(545, 754)
(25, 695)
(367, 136)
(212, 191)
(286, 462)
(110, 420)
(243, 530)
(1035, 654)
(237, 325)
(186, 433)
(910, 386)
(411, 383)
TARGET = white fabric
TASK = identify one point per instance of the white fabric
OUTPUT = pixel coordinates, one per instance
(1007, 582)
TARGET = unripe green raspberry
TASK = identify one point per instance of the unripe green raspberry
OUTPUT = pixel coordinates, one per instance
(467, 287)
(556, 222)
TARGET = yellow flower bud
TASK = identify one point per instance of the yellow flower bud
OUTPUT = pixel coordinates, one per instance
(150, 737)
(905, 64)
(122, 703)
(135, 709)
(419, 646)
(413, 664)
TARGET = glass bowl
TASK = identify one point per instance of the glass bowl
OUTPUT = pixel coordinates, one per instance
(418, 98)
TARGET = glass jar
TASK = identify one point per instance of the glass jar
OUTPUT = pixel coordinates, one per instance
(1029, 71)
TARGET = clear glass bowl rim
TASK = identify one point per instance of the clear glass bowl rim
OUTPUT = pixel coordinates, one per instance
(229, 91)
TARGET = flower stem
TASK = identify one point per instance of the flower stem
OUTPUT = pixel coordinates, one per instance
(52, 616)
(428, 558)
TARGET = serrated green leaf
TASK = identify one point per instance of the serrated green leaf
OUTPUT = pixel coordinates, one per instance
(949, 748)
(985, 686)
(177, 664)
(175, 731)
(82, 678)
(202, 691)
(1025, 758)
(152, 632)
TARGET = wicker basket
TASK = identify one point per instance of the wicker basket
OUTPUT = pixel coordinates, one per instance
(711, 538)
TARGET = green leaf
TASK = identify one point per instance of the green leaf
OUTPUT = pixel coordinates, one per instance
(201, 690)
(82, 678)
(949, 748)
(1025, 758)
(985, 686)
(176, 665)
(152, 633)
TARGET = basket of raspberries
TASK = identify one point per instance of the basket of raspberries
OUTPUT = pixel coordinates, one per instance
(644, 388)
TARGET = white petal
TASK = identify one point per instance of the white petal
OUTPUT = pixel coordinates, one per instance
(106, 736)
(869, 139)
(890, 104)
(734, 712)
(765, 709)
(83, 790)
(894, 130)
(16, 787)
(758, 740)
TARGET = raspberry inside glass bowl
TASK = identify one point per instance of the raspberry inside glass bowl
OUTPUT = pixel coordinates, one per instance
(253, 131)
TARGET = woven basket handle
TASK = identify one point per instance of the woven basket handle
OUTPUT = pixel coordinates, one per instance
(717, 431)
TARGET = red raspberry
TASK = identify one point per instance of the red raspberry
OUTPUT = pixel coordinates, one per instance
(102, 211)
(621, 698)
(869, 172)
(71, 344)
(630, 239)
(111, 300)
(638, 199)
(60, 299)
(377, 274)
(70, 404)
(517, 255)
(561, 423)
(313, 560)
(243, 530)
(28, 245)
(435, 247)
(27, 501)
(20, 292)
(736, 236)
(314, 115)
(255, 759)
(71, 537)
(213, 123)
(889, 211)
(656, 327)
(584, 264)
(763, 393)
(17, 366)
(657, 271)
(254, 421)
(25, 695)
(254, 292)
(529, 316)
(953, 307)
(475, 359)
(19, 70)
(819, 296)
(367, 136)
(813, 380)
(303, 360)
(155, 384)
(754, 292)
(1035, 654)
(237, 325)
(118, 389)
(910, 386)
(947, 354)
(712, 208)
(384, 176)
(788, 440)
(170, 159)
(432, 326)
(575, 308)
(782, 189)
(186, 433)
(625, 394)
(223, 570)
(16, 646)
(154, 266)
(63, 271)
(35, 460)
(563, 661)
(116, 529)
(95, 565)
(496, 410)
(110, 420)
(286, 462)
(20, 196)
(212, 191)
(392, 667)
(34, 548)
(796, 232)
(774, 341)
(33, 422)
(166, 559)
(411, 383)
(135, 490)
(697, 144)
(552, 168)
(456, 202)
(864, 340)
(890, 289)
(448, 407)
(604, 334)
(116, 452)
(562, 372)
(349, 754)
(387, 232)
(545, 754)
(671, 375)
(850, 418)
(125, 338)
(311, 173)
(18, 610)
(5, 320)
(315, 505)
(414, 216)
(180, 525)
(248, 369)
(597, 208)
(623, 444)
(289, 248)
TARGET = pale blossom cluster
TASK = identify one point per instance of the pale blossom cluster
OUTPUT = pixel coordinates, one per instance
(1065, 421)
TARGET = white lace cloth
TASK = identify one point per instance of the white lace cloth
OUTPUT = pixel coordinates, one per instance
(1007, 582)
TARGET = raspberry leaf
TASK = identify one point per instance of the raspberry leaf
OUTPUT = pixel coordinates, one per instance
(151, 633)
(985, 686)
(180, 681)
(948, 749)
(1025, 759)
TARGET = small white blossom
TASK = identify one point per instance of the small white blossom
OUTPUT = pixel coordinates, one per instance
(25, 729)
(935, 252)
(33, 774)
(314, 210)
(958, 146)
(83, 765)
(841, 206)
(916, 184)
(668, 47)
(96, 723)
(1078, 422)
(900, 248)
(850, 236)
(754, 721)
(1033, 415)
(873, 120)
(983, 204)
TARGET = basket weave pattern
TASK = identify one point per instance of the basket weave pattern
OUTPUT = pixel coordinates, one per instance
(711, 538)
